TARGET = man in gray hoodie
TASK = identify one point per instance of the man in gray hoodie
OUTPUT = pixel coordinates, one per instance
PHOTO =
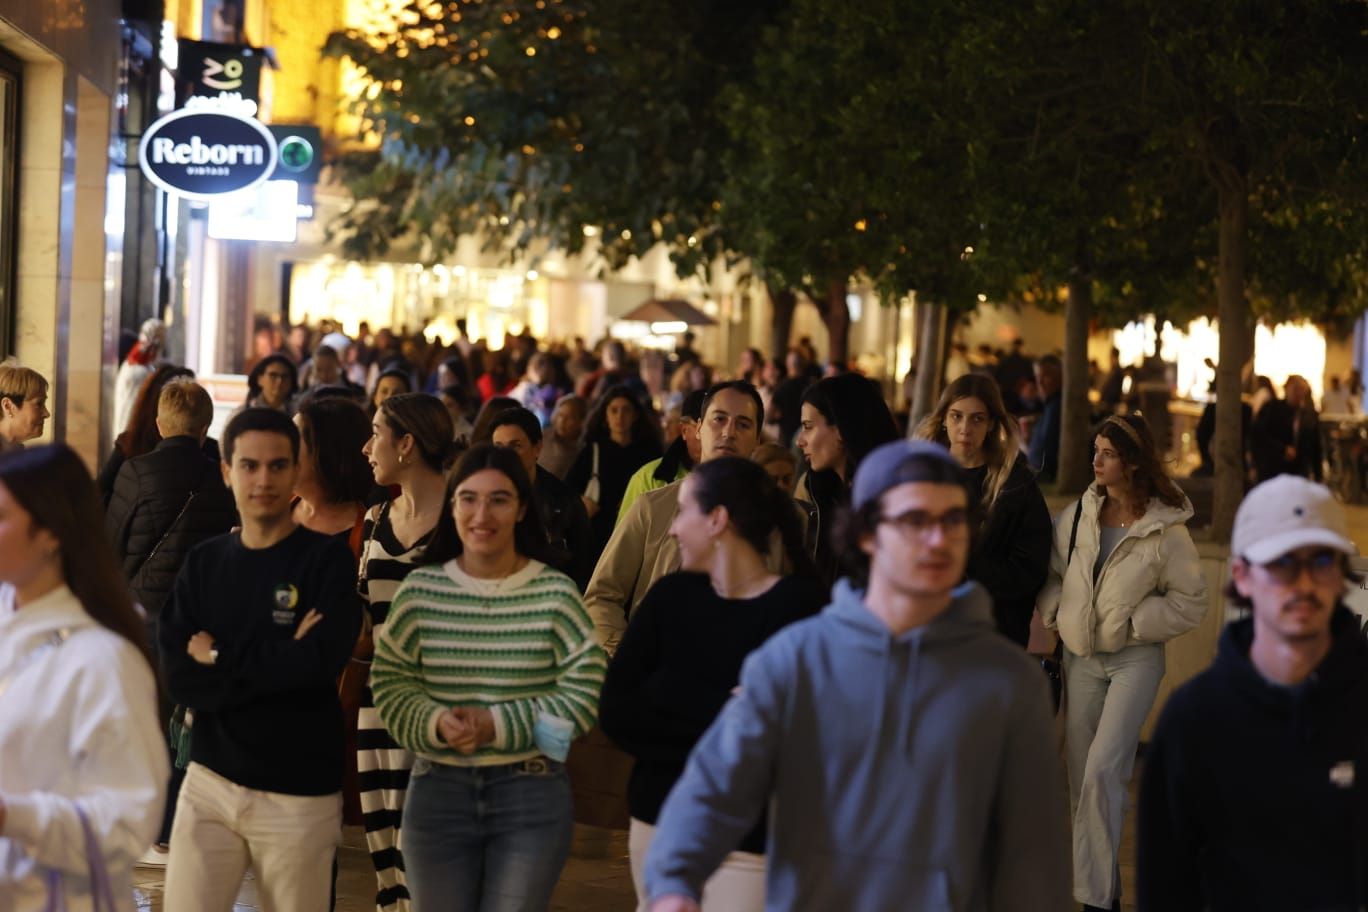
(904, 747)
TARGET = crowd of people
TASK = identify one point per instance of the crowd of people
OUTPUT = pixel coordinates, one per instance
(407, 580)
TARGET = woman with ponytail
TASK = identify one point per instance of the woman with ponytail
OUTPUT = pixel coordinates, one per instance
(681, 656)
(1011, 553)
(410, 447)
(83, 761)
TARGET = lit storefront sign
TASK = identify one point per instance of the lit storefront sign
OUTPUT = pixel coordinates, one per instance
(205, 154)
(266, 212)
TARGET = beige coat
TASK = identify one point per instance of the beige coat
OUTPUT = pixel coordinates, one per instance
(641, 551)
(1150, 589)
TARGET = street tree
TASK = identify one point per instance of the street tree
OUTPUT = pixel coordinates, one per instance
(1270, 101)
(537, 124)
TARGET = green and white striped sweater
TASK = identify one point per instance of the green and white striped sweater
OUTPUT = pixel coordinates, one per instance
(520, 646)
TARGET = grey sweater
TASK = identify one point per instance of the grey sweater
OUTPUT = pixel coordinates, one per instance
(909, 772)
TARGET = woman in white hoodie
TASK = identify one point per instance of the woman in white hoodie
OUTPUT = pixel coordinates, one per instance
(1124, 579)
(83, 762)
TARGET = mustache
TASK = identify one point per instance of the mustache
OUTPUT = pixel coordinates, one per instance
(1298, 601)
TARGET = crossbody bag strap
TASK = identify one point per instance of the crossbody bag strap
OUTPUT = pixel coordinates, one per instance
(1073, 533)
(147, 561)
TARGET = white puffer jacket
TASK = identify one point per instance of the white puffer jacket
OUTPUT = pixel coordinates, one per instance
(1150, 590)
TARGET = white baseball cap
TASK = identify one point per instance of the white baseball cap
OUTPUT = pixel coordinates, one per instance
(1286, 513)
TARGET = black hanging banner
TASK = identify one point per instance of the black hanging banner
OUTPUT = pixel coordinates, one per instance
(213, 70)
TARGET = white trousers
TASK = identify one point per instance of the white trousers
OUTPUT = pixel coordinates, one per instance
(1110, 694)
(737, 886)
(222, 828)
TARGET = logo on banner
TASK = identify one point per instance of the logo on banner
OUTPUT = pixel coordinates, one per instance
(202, 154)
(230, 70)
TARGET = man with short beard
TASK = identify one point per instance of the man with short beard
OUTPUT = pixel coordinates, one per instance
(1251, 797)
(641, 550)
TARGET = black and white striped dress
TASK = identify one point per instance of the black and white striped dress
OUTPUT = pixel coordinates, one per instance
(382, 765)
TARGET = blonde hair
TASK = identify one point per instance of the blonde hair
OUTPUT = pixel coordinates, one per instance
(1001, 447)
(769, 452)
(184, 408)
(21, 383)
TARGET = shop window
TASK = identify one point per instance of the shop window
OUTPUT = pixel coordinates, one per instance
(10, 70)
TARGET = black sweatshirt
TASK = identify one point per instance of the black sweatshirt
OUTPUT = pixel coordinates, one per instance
(267, 715)
(675, 669)
(1255, 796)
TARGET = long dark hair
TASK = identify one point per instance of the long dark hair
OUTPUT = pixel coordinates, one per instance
(254, 378)
(854, 404)
(755, 506)
(55, 488)
(1134, 443)
(141, 435)
(529, 537)
(335, 430)
(645, 430)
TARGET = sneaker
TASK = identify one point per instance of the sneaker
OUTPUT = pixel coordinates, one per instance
(155, 856)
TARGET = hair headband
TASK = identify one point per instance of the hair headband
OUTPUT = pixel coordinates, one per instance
(1125, 426)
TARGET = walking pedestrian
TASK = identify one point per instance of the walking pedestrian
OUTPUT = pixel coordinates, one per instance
(619, 438)
(486, 669)
(136, 366)
(563, 444)
(843, 418)
(258, 627)
(680, 456)
(1250, 797)
(23, 406)
(83, 762)
(1011, 550)
(273, 383)
(330, 497)
(641, 550)
(1124, 579)
(680, 659)
(900, 744)
(560, 509)
(1045, 430)
(165, 503)
(411, 446)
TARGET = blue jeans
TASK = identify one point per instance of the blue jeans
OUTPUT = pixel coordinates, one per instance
(486, 839)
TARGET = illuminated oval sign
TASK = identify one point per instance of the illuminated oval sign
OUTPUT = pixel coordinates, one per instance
(202, 154)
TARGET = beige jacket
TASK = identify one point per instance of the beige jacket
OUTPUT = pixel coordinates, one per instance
(640, 552)
(1150, 588)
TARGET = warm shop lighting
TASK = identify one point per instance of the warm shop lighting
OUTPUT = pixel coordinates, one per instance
(669, 327)
(590, 231)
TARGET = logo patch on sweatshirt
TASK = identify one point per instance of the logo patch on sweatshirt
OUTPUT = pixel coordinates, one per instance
(286, 598)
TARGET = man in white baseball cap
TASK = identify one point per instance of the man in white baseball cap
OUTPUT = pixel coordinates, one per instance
(1255, 789)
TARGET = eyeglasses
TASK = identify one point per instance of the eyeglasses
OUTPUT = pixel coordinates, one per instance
(1324, 566)
(467, 503)
(919, 523)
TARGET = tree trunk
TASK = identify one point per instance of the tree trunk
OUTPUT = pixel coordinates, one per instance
(1075, 461)
(837, 318)
(783, 303)
(930, 362)
(1235, 336)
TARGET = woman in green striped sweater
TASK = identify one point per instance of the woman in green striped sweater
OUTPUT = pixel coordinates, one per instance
(486, 669)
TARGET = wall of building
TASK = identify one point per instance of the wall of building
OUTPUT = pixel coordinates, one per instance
(69, 51)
